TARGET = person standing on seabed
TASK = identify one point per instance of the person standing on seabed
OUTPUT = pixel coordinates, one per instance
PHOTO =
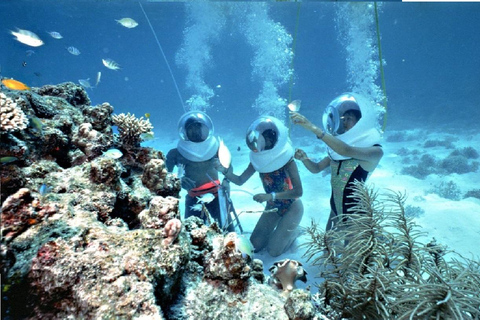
(352, 138)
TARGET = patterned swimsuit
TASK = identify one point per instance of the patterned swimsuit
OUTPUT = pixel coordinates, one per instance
(278, 181)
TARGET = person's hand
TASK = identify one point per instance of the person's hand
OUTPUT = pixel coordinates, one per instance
(262, 197)
(218, 166)
(300, 119)
(187, 183)
(300, 155)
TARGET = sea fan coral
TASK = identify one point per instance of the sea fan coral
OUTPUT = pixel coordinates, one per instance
(131, 129)
(12, 117)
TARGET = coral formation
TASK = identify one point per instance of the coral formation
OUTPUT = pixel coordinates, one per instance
(131, 129)
(156, 178)
(12, 118)
(88, 236)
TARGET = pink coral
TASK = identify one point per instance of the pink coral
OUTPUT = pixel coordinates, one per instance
(171, 231)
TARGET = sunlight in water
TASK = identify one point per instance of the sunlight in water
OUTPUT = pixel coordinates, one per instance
(205, 21)
(356, 25)
(272, 54)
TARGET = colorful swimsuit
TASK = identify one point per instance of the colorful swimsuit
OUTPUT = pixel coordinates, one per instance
(278, 181)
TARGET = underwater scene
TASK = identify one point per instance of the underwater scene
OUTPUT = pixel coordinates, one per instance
(239, 160)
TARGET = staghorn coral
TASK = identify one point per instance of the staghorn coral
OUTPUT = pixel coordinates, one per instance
(374, 266)
(131, 129)
(12, 118)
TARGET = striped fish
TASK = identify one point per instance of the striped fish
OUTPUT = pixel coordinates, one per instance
(110, 64)
(73, 51)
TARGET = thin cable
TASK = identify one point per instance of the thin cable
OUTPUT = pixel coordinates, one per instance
(384, 88)
(164, 57)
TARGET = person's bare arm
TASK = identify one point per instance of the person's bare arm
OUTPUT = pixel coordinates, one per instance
(312, 166)
(241, 179)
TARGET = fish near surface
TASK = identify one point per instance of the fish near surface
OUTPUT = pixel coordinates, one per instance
(110, 64)
(27, 37)
(128, 22)
(73, 50)
(85, 83)
(55, 35)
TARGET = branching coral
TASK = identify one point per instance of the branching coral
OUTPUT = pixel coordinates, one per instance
(12, 118)
(375, 267)
(131, 129)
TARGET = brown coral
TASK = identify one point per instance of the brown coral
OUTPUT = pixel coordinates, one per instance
(12, 118)
(131, 129)
(156, 178)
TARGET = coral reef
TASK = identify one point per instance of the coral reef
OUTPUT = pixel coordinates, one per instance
(12, 117)
(88, 236)
(156, 178)
(131, 129)
(375, 267)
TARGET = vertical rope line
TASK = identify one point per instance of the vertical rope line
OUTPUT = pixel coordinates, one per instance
(164, 57)
(382, 74)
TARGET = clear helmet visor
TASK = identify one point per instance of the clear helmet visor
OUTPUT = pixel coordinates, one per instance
(262, 134)
(195, 126)
(332, 117)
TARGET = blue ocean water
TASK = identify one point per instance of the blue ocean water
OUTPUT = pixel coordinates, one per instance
(431, 53)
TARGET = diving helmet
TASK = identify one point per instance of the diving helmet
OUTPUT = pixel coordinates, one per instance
(271, 149)
(195, 126)
(197, 141)
(365, 133)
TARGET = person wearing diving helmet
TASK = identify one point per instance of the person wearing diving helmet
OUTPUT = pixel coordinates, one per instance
(197, 153)
(272, 156)
(352, 140)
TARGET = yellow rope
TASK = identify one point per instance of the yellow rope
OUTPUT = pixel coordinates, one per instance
(384, 89)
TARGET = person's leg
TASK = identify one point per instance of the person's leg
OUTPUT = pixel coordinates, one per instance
(286, 230)
(332, 220)
(263, 229)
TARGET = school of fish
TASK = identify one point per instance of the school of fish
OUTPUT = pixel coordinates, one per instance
(31, 39)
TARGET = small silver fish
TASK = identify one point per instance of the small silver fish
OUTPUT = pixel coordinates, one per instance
(73, 51)
(85, 83)
(27, 37)
(28, 53)
(110, 64)
(55, 34)
(99, 75)
(180, 170)
(128, 22)
(197, 207)
(206, 198)
(113, 154)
